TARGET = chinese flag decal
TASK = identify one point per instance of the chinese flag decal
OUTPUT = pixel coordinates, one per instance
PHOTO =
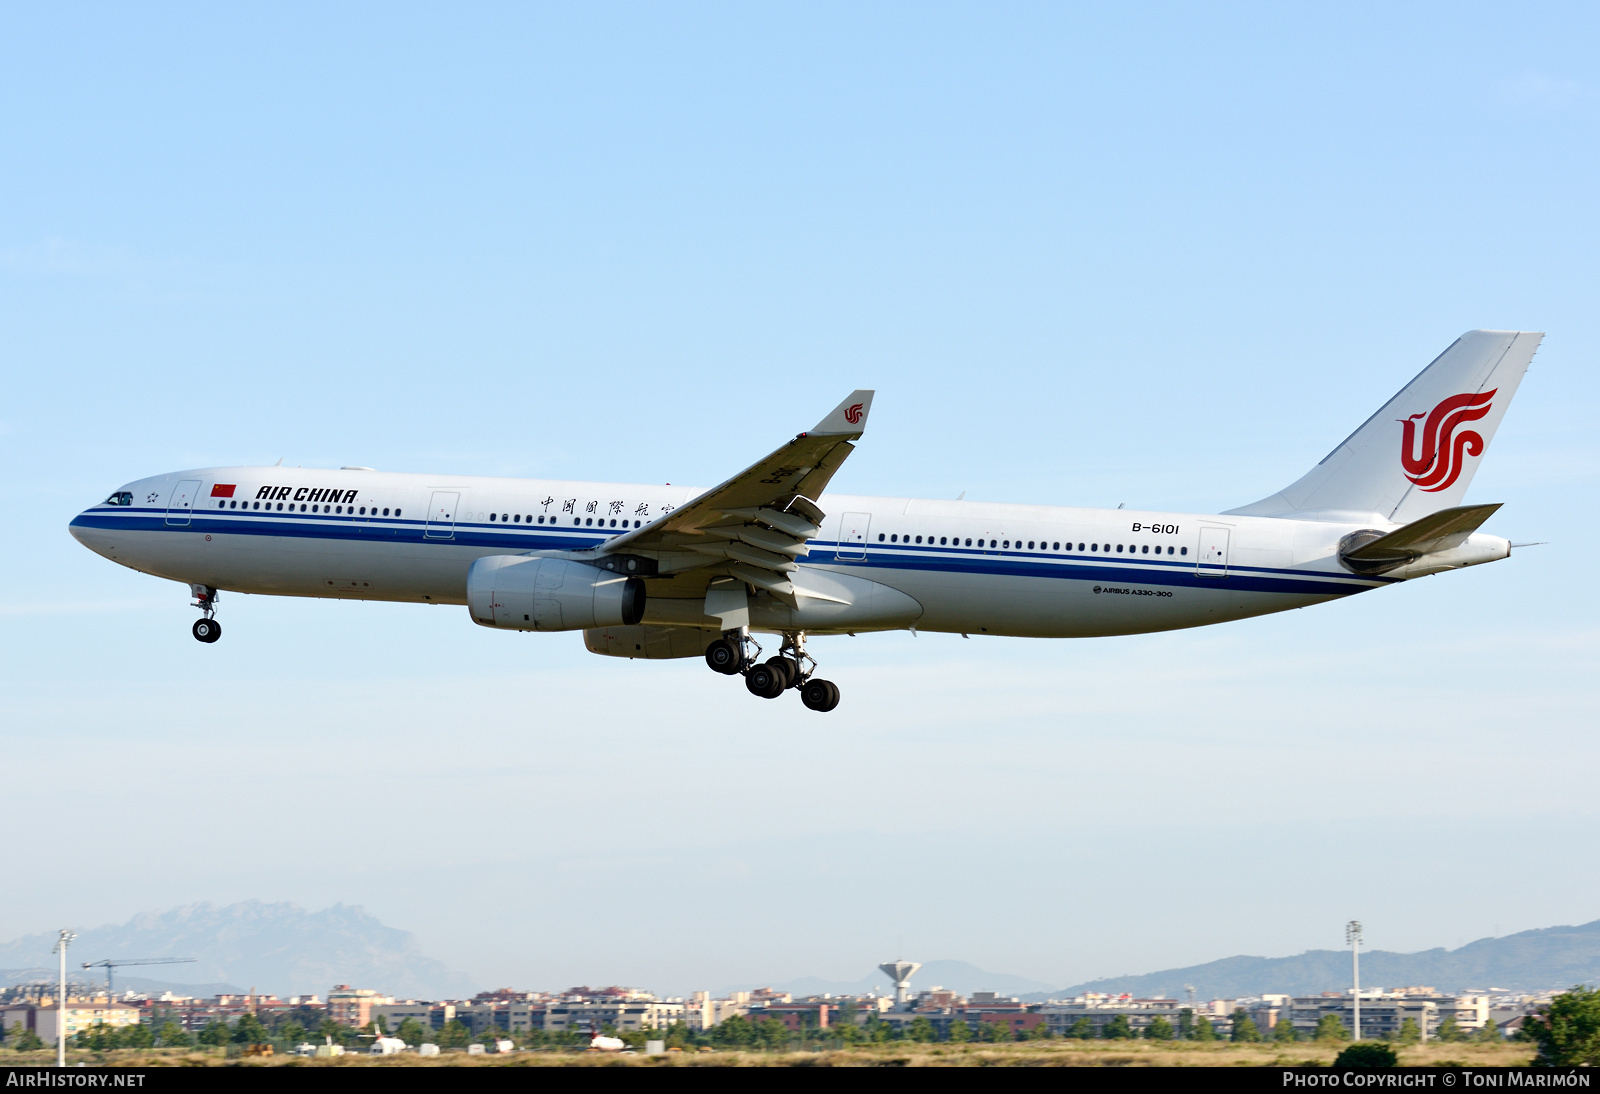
(223, 490)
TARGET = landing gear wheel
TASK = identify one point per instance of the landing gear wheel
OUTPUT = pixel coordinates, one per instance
(207, 630)
(724, 657)
(785, 668)
(766, 681)
(819, 695)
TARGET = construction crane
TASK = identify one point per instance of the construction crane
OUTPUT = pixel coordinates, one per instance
(111, 963)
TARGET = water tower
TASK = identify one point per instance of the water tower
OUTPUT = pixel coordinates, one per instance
(901, 973)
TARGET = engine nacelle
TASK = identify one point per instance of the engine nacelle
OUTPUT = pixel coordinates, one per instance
(519, 593)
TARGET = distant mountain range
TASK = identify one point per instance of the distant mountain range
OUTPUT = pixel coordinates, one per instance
(283, 949)
(1552, 957)
(280, 949)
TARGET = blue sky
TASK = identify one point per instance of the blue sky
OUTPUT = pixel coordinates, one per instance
(1161, 255)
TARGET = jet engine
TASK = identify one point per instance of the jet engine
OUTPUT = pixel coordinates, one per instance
(523, 593)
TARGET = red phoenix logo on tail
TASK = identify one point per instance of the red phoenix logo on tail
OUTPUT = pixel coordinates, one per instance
(1438, 464)
(853, 413)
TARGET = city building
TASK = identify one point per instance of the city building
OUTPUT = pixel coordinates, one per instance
(624, 1015)
(353, 1006)
(44, 1019)
(1102, 1010)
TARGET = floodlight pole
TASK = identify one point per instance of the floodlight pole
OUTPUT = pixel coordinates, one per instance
(1352, 935)
(62, 943)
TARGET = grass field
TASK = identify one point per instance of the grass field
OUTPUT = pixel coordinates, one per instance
(1022, 1054)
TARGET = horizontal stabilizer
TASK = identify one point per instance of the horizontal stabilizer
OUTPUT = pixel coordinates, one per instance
(1370, 552)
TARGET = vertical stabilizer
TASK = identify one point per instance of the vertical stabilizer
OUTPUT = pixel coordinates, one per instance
(1418, 453)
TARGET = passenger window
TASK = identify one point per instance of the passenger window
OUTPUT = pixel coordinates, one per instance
(942, 540)
(1145, 549)
(491, 516)
(1119, 548)
(880, 537)
(1094, 546)
(1183, 550)
(541, 518)
(919, 539)
(969, 543)
(1055, 546)
(589, 521)
(516, 518)
(893, 538)
(1080, 546)
(396, 512)
(1030, 545)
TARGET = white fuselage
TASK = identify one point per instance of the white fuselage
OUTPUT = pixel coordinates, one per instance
(972, 567)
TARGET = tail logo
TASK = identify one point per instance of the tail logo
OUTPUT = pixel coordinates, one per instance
(853, 414)
(1438, 462)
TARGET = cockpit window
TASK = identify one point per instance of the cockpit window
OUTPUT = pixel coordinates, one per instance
(121, 497)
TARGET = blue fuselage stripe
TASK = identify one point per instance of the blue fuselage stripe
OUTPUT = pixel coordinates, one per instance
(1073, 566)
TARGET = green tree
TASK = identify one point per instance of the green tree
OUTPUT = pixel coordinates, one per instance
(1082, 1029)
(1185, 1024)
(215, 1033)
(774, 1034)
(1410, 1033)
(960, 1030)
(172, 1035)
(333, 1032)
(1284, 1031)
(1118, 1029)
(454, 1035)
(24, 1040)
(1244, 1027)
(994, 1032)
(412, 1032)
(1329, 1028)
(1159, 1029)
(94, 1037)
(1567, 1032)
(1203, 1029)
(1450, 1031)
(736, 1031)
(1489, 1034)
(248, 1030)
(920, 1030)
(1041, 1032)
(291, 1031)
(1367, 1054)
(137, 1036)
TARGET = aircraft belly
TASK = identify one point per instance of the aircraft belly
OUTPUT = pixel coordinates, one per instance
(1067, 607)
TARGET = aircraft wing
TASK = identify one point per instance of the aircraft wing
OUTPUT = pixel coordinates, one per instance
(756, 524)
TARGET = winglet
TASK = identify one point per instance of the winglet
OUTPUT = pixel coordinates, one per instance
(848, 417)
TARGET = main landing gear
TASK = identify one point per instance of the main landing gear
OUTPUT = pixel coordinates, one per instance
(205, 598)
(736, 653)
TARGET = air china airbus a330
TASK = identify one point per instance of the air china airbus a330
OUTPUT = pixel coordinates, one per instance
(661, 571)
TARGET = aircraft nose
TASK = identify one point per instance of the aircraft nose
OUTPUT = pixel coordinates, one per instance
(84, 531)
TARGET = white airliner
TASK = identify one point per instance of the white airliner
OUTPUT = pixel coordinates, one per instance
(662, 571)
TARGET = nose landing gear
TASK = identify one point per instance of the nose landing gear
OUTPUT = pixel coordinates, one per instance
(205, 598)
(736, 653)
